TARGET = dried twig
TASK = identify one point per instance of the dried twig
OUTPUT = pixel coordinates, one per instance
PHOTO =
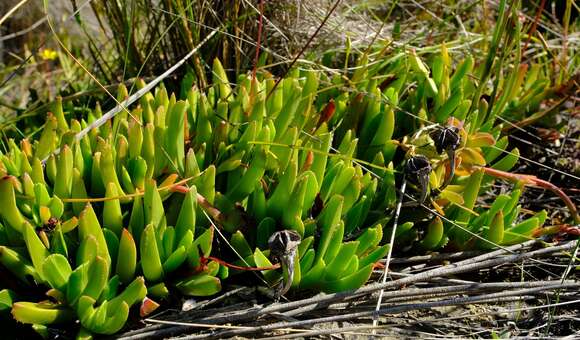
(324, 300)
(486, 298)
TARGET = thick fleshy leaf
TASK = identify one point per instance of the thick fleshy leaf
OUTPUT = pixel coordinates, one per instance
(199, 285)
(127, 257)
(41, 313)
(56, 271)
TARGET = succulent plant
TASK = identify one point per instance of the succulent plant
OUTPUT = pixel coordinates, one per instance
(299, 172)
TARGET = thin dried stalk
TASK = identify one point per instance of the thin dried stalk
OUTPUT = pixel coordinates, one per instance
(324, 300)
(486, 298)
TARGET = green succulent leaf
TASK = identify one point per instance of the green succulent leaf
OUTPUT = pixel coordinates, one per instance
(199, 285)
(56, 271)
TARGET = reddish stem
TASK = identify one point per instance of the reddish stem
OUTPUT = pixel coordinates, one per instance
(536, 182)
(258, 43)
(535, 24)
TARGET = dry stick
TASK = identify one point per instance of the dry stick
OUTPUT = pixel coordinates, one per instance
(438, 291)
(570, 294)
(137, 94)
(12, 11)
(438, 280)
(566, 272)
(396, 309)
(465, 315)
(135, 333)
(424, 298)
(223, 296)
(238, 330)
(391, 246)
(23, 31)
(497, 300)
(315, 305)
(329, 331)
(497, 252)
(324, 300)
(472, 288)
(437, 257)
(346, 330)
(388, 310)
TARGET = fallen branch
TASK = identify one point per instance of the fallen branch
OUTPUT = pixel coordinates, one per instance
(325, 300)
(486, 298)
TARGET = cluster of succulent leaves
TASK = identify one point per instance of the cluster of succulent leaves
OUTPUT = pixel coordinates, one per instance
(125, 214)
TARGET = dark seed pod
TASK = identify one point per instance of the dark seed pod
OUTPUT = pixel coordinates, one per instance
(446, 138)
(417, 169)
(283, 247)
(417, 166)
(283, 242)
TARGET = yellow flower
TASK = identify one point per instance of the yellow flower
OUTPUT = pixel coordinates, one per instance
(48, 54)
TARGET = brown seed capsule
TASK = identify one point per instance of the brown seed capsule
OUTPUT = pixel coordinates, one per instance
(446, 138)
(282, 242)
(283, 247)
(418, 169)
